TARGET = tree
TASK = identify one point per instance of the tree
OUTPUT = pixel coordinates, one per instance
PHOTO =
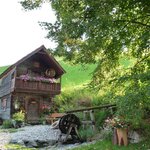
(103, 31)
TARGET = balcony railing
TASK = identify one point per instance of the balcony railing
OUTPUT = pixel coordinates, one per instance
(37, 87)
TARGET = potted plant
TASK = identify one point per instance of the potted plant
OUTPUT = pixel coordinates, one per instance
(120, 128)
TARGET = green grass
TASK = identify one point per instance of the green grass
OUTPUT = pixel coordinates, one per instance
(2, 69)
(17, 147)
(107, 145)
(10, 130)
(76, 76)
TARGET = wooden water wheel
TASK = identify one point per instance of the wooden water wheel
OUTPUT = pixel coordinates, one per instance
(69, 125)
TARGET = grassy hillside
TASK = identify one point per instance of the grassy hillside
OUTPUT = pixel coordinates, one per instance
(2, 69)
(76, 76)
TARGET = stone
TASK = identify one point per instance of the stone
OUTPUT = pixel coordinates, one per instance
(134, 137)
(21, 142)
(41, 143)
(52, 142)
(31, 144)
(13, 141)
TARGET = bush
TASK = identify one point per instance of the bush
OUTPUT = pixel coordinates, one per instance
(7, 124)
(70, 100)
(86, 134)
(101, 116)
(18, 119)
(19, 116)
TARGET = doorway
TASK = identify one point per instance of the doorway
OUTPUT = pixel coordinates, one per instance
(33, 111)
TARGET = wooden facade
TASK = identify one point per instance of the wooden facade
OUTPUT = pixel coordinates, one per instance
(30, 84)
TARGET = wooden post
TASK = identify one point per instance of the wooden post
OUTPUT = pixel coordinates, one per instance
(89, 122)
(92, 119)
(84, 118)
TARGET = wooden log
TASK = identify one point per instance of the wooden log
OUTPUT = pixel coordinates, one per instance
(92, 108)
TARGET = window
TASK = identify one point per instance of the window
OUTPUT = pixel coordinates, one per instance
(13, 75)
(3, 104)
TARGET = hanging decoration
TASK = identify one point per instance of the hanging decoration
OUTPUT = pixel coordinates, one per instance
(50, 72)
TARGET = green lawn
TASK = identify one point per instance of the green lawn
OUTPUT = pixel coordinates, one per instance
(107, 145)
(76, 75)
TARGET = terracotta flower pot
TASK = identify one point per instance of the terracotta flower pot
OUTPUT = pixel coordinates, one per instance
(122, 136)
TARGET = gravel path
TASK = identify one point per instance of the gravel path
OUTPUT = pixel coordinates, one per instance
(37, 132)
(4, 139)
(33, 133)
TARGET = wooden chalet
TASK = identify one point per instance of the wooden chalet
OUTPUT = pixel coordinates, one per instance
(30, 84)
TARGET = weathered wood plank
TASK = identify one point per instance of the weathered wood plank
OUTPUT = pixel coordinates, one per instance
(92, 108)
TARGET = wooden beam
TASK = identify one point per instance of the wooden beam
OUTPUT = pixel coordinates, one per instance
(92, 108)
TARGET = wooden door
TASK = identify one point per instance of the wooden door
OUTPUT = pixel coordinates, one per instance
(33, 112)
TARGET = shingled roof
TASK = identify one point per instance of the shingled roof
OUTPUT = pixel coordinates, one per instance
(46, 55)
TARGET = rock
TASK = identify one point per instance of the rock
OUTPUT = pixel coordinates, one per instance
(31, 144)
(20, 142)
(41, 143)
(13, 141)
(52, 142)
(134, 137)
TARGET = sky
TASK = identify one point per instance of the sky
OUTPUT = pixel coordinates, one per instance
(20, 32)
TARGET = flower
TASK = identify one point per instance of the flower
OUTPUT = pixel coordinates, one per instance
(27, 77)
(117, 122)
(45, 109)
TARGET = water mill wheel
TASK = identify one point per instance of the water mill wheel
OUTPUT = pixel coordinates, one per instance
(69, 125)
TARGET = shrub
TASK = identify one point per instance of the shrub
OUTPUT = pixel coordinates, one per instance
(18, 119)
(100, 117)
(86, 134)
(19, 116)
(7, 124)
(70, 100)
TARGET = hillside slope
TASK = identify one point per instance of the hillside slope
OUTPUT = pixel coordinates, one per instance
(76, 75)
(3, 68)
